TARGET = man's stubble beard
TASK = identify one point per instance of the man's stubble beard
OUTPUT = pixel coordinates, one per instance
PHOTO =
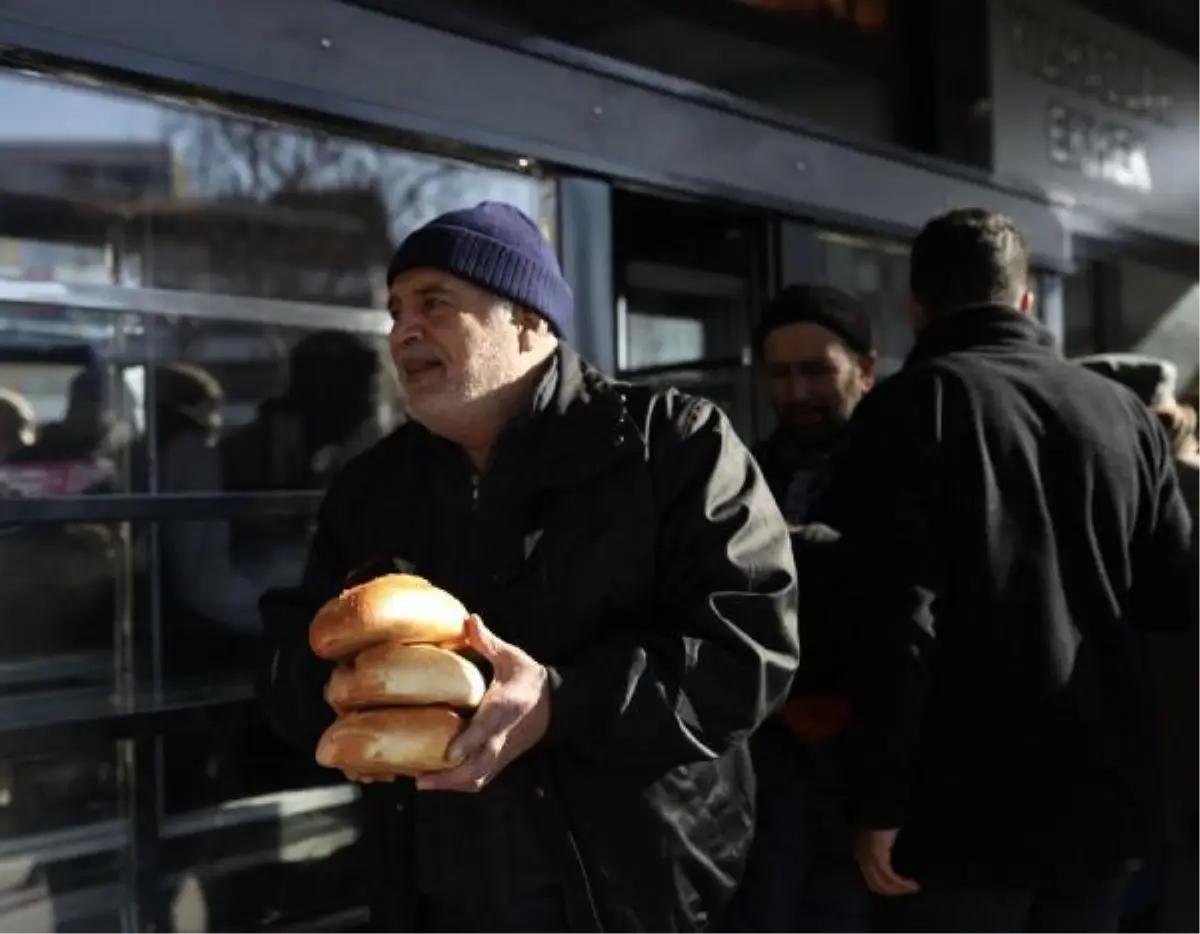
(477, 396)
(812, 442)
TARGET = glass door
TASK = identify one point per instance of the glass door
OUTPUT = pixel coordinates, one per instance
(684, 301)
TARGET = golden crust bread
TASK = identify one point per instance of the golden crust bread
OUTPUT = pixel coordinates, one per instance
(399, 608)
(379, 744)
(393, 674)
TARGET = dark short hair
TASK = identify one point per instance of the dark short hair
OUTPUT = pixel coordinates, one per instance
(831, 308)
(966, 257)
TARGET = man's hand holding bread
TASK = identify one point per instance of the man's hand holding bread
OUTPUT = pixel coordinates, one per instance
(401, 688)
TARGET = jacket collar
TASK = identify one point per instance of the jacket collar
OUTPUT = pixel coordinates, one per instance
(985, 327)
(577, 424)
(585, 426)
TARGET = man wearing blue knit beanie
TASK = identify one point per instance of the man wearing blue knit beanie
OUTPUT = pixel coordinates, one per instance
(638, 588)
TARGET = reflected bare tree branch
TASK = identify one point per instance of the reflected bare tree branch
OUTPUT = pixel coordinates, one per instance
(327, 211)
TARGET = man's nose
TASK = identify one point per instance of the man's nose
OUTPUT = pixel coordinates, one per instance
(406, 328)
(800, 387)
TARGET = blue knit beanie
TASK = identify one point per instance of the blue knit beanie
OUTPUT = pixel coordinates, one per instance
(498, 248)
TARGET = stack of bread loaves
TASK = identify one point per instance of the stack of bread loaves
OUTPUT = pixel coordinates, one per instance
(399, 683)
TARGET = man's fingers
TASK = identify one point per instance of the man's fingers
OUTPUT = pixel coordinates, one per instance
(472, 775)
(480, 638)
(883, 880)
(470, 740)
(494, 716)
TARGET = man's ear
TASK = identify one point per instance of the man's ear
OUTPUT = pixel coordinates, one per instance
(869, 362)
(918, 318)
(1026, 304)
(532, 328)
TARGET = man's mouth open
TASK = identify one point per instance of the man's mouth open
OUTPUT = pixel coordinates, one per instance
(421, 369)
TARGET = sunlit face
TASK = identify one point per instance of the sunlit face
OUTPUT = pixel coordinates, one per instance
(454, 346)
(815, 381)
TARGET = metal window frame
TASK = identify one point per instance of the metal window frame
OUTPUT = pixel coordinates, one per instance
(135, 722)
(158, 507)
(201, 306)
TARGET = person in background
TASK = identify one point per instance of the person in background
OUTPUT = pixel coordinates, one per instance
(210, 601)
(329, 412)
(1175, 657)
(639, 594)
(1013, 523)
(18, 425)
(815, 350)
(1174, 654)
(90, 428)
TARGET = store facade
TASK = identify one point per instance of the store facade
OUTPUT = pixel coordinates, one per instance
(1104, 123)
(194, 219)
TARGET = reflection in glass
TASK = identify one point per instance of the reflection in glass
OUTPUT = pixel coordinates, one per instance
(656, 339)
(669, 315)
(211, 574)
(66, 369)
(145, 193)
(253, 833)
(278, 408)
(60, 606)
(876, 272)
(187, 307)
(61, 840)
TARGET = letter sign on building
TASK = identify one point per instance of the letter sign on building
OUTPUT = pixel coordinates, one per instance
(1094, 116)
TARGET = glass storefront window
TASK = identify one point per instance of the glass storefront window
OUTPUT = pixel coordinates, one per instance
(671, 316)
(685, 277)
(62, 839)
(192, 343)
(1159, 314)
(876, 272)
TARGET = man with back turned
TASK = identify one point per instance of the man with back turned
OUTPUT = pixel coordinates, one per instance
(1014, 522)
(638, 594)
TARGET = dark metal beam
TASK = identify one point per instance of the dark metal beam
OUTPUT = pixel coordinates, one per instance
(329, 57)
(160, 507)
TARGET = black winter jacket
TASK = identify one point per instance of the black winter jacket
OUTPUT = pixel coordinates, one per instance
(1013, 521)
(644, 561)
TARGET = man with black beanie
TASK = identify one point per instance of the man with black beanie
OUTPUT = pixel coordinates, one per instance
(815, 350)
(637, 594)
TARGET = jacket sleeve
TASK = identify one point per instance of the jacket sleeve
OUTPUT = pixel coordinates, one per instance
(718, 650)
(1167, 579)
(884, 501)
(290, 679)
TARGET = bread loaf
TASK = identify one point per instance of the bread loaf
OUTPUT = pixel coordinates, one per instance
(400, 608)
(378, 744)
(394, 674)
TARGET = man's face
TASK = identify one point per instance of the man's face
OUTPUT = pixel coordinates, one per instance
(454, 346)
(815, 382)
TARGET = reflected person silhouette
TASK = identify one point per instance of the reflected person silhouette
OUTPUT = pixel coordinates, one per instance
(329, 412)
(209, 603)
(18, 424)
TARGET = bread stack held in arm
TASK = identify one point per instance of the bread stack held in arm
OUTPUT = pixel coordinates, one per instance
(399, 684)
